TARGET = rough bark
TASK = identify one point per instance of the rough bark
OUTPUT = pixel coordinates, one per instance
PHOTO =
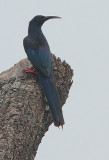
(24, 112)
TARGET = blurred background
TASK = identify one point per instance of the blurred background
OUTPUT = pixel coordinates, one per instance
(81, 38)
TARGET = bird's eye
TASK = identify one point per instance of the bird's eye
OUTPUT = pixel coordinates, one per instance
(43, 17)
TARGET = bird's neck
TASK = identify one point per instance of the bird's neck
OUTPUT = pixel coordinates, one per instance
(35, 33)
(34, 30)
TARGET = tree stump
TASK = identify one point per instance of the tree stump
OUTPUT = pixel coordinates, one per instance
(24, 112)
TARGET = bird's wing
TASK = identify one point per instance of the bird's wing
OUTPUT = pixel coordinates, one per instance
(39, 56)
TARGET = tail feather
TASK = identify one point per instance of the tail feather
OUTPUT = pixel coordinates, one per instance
(50, 91)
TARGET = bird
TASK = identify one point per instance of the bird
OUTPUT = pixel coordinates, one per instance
(39, 54)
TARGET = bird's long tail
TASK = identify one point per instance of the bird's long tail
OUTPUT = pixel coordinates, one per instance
(50, 91)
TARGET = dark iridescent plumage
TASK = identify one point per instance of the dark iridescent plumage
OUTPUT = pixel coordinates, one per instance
(38, 52)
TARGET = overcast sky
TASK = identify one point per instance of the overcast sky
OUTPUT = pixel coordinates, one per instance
(81, 38)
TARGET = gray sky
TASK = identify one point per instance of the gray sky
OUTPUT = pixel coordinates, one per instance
(81, 37)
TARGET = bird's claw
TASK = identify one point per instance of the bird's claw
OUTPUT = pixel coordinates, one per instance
(31, 71)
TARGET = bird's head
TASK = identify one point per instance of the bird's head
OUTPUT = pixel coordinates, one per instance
(39, 20)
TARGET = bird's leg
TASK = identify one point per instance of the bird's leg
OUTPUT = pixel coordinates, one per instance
(32, 70)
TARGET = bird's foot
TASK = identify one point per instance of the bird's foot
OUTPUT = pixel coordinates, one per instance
(31, 71)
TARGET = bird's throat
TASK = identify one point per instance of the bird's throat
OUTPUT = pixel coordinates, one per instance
(33, 30)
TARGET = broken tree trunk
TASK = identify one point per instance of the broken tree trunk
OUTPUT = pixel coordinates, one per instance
(24, 112)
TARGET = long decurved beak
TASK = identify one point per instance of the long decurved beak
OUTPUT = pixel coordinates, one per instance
(50, 17)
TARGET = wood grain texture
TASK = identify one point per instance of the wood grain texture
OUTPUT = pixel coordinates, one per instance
(24, 112)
